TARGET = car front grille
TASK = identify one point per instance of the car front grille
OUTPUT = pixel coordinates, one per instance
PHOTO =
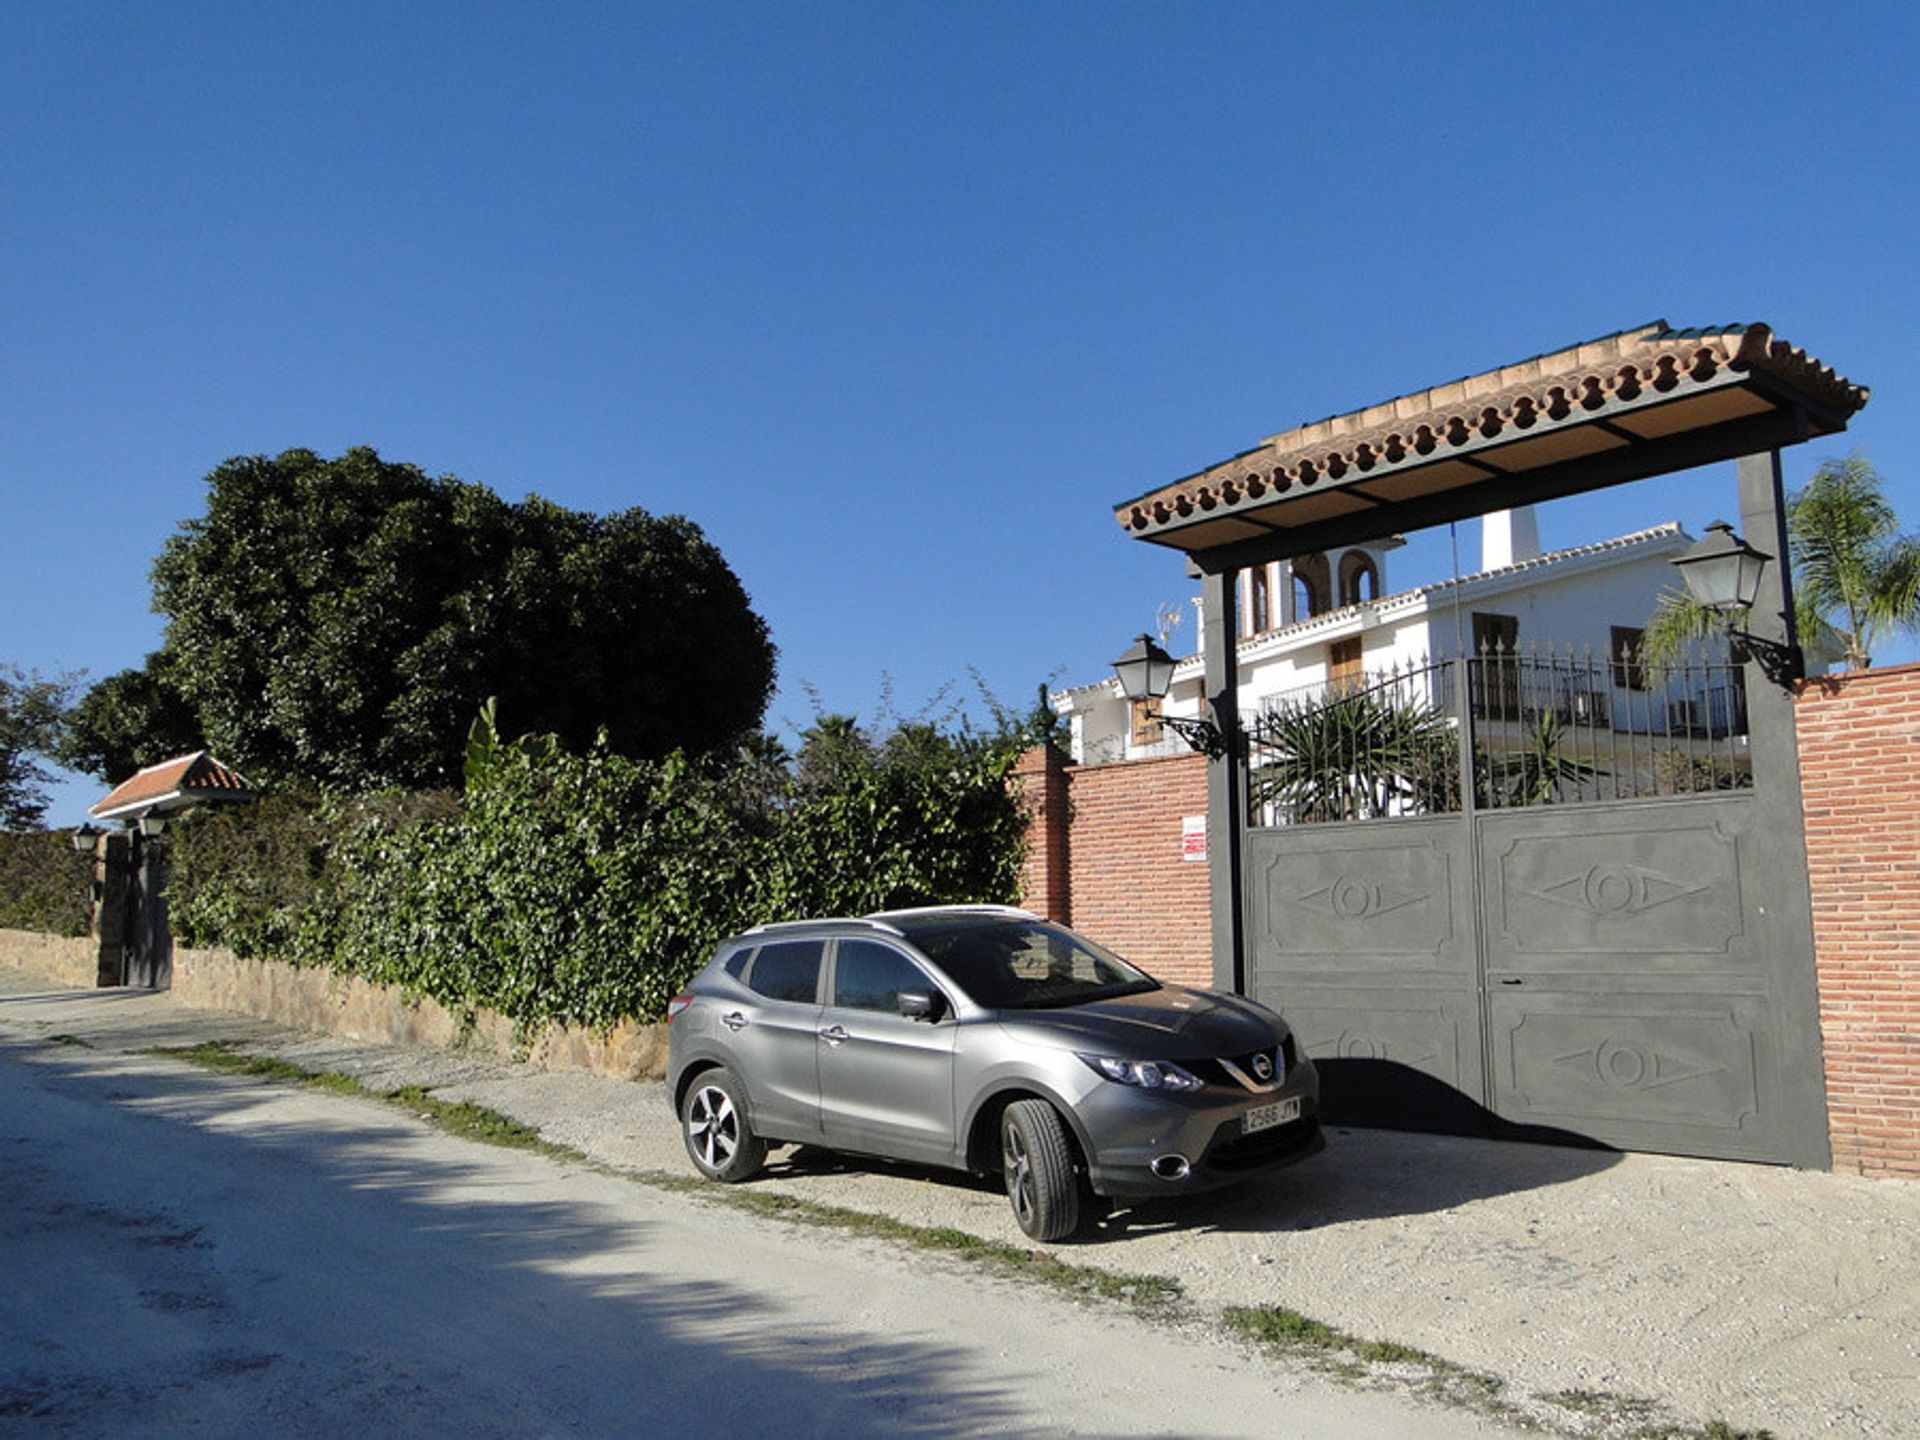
(1214, 1072)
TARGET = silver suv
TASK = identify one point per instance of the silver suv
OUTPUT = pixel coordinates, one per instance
(985, 1039)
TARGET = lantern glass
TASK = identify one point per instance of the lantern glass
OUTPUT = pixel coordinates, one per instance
(1145, 670)
(1722, 571)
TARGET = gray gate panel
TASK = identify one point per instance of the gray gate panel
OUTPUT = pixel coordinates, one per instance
(1435, 1033)
(1658, 884)
(1628, 975)
(1355, 898)
(1645, 1073)
(1363, 937)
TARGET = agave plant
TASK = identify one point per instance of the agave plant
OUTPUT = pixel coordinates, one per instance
(1355, 757)
(1537, 773)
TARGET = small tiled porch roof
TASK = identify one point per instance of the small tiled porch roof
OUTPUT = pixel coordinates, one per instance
(1636, 403)
(172, 785)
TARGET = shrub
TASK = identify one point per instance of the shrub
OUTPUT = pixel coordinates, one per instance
(44, 884)
(588, 888)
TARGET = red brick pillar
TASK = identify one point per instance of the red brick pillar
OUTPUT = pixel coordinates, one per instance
(1040, 776)
(1860, 774)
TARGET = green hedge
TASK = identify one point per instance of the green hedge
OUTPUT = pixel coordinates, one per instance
(44, 884)
(589, 888)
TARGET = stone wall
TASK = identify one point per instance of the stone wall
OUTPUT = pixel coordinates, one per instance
(319, 1001)
(65, 962)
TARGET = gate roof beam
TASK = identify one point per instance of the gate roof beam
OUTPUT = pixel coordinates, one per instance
(1630, 405)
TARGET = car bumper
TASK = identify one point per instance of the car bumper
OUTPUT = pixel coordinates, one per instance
(1143, 1146)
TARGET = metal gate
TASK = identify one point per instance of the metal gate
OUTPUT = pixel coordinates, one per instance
(1528, 896)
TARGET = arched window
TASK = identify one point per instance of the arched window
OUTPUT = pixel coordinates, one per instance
(1311, 595)
(1359, 579)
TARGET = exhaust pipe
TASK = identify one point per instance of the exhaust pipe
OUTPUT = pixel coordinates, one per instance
(1171, 1167)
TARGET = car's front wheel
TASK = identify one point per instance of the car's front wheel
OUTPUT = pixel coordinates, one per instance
(714, 1121)
(1037, 1157)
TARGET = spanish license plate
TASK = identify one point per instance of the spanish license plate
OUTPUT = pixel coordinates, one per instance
(1265, 1117)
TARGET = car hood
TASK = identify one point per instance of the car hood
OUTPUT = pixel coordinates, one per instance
(1170, 1023)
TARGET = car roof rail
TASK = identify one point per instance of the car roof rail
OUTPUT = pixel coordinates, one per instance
(818, 923)
(1012, 912)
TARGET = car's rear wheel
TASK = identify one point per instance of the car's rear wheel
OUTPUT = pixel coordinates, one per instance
(720, 1140)
(1037, 1158)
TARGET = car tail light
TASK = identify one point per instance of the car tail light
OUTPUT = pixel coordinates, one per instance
(676, 1005)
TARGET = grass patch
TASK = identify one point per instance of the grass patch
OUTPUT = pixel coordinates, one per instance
(1149, 1293)
(476, 1122)
(456, 1117)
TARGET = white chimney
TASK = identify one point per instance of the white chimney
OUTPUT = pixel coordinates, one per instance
(1507, 537)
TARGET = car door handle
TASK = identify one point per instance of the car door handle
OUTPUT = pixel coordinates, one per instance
(735, 1021)
(835, 1034)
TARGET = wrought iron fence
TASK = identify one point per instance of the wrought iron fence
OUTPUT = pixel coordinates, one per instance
(1530, 728)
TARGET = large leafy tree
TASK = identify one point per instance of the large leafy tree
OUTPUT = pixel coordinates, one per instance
(132, 719)
(31, 711)
(340, 621)
(1856, 578)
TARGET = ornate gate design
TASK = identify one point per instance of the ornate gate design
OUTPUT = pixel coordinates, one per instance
(1580, 941)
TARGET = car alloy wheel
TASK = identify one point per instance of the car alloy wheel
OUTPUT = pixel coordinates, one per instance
(719, 1138)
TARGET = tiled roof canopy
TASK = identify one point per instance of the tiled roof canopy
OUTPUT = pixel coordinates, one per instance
(172, 785)
(1641, 402)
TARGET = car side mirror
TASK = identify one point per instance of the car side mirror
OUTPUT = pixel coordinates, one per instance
(921, 1005)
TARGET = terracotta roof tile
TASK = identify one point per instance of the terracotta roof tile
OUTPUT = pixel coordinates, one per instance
(172, 784)
(1652, 361)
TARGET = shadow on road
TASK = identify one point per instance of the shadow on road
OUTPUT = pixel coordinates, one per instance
(268, 1265)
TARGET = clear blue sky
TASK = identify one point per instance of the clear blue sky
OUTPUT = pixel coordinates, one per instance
(894, 300)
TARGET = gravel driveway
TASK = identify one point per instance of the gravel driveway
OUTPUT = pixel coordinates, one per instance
(1762, 1296)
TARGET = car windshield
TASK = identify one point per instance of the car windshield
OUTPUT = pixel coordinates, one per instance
(1028, 965)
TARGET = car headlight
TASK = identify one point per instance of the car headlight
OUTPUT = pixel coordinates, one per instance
(1146, 1074)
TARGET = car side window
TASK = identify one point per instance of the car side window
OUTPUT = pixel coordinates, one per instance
(788, 970)
(870, 976)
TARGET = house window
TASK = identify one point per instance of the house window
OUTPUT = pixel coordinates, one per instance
(1358, 579)
(1311, 594)
(1495, 634)
(1629, 670)
(1496, 666)
(1260, 611)
(1343, 666)
(1146, 728)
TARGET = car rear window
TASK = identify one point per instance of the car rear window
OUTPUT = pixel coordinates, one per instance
(787, 970)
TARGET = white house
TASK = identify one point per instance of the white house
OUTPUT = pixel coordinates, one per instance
(1312, 623)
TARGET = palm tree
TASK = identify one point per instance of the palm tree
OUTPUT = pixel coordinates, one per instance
(1855, 576)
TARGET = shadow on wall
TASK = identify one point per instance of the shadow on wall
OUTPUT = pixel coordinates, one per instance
(1388, 1094)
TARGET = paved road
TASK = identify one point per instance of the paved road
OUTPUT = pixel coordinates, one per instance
(193, 1253)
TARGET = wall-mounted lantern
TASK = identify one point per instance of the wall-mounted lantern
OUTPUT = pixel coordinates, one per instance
(1146, 674)
(1723, 575)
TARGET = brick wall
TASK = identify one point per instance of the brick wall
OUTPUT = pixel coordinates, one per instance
(1114, 831)
(1860, 776)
